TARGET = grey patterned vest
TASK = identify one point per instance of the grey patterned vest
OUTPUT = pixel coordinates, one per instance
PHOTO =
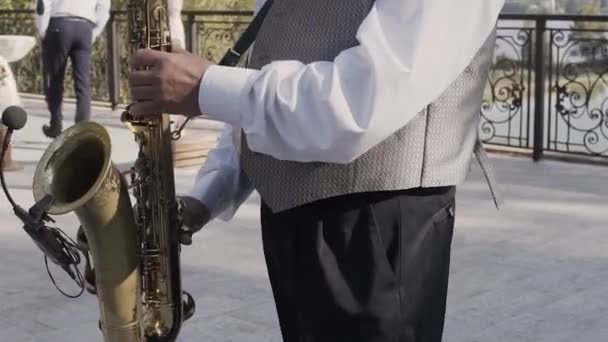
(434, 149)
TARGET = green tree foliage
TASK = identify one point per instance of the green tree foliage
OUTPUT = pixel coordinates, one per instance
(202, 4)
(219, 4)
(121, 4)
(5, 5)
(553, 6)
(19, 4)
(594, 7)
(592, 34)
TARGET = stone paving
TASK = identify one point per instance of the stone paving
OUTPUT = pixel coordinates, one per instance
(536, 271)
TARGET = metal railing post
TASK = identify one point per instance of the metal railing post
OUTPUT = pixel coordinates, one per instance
(539, 90)
(193, 34)
(113, 62)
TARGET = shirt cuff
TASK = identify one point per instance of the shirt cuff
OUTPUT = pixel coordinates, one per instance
(210, 191)
(220, 93)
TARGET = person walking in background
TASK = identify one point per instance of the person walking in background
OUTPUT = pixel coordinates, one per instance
(68, 29)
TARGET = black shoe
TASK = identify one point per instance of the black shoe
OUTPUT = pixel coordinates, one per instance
(51, 131)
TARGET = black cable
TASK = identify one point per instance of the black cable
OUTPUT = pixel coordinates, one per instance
(68, 245)
(4, 148)
(71, 249)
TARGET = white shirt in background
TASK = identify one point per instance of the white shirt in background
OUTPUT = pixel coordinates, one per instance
(96, 11)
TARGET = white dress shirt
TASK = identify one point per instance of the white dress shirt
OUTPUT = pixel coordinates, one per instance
(96, 11)
(409, 52)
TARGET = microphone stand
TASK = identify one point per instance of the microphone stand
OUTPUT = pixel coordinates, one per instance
(54, 244)
(8, 164)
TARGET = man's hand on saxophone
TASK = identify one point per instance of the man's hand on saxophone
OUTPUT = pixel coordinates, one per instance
(166, 82)
(194, 214)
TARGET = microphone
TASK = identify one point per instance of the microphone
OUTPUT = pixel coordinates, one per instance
(14, 118)
(50, 241)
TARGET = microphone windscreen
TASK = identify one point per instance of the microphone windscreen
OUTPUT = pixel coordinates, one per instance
(14, 117)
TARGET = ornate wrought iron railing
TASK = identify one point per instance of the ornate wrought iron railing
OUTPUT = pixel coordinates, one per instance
(547, 90)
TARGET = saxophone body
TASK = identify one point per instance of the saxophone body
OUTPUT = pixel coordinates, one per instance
(134, 247)
(153, 185)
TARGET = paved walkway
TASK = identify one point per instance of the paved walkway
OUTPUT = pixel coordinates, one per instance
(534, 272)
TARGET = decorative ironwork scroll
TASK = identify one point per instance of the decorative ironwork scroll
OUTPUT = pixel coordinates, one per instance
(506, 108)
(577, 121)
(216, 36)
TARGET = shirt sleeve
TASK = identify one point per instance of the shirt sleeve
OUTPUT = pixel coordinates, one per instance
(102, 14)
(220, 184)
(42, 16)
(409, 52)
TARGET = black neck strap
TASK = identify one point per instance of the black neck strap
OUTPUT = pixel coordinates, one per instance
(233, 55)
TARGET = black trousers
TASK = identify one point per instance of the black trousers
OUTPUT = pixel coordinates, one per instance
(68, 38)
(369, 267)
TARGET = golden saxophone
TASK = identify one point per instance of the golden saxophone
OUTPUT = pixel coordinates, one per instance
(135, 249)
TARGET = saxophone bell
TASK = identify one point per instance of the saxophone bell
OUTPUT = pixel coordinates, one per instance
(77, 171)
(134, 249)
